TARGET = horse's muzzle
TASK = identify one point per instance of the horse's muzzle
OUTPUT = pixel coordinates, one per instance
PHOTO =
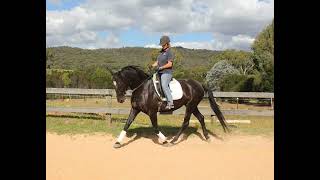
(121, 99)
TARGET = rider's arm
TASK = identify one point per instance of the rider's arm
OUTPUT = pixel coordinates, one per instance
(155, 64)
(168, 65)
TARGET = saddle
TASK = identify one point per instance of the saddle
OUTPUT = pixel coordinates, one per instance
(174, 86)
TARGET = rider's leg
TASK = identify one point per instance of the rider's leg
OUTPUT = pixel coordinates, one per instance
(165, 80)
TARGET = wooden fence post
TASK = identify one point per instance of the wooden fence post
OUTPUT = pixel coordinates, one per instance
(109, 105)
(237, 102)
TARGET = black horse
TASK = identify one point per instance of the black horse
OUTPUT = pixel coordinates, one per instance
(145, 99)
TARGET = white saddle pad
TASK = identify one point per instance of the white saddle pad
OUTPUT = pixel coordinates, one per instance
(176, 89)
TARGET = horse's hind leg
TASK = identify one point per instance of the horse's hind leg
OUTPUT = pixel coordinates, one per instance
(185, 124)
(200, 117)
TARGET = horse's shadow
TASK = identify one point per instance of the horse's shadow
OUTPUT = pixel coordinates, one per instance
(168, 131)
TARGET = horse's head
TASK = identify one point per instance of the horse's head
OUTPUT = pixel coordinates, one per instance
(120, 85)
(128, 77)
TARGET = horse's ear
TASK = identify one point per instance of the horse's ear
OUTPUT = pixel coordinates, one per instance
(110, 70)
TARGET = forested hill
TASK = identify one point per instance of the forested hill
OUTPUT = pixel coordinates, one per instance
(228, 70)
(74, 58)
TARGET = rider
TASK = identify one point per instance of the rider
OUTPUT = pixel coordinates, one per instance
(164, 65)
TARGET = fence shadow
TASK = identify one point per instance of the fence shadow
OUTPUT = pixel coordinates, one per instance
(92, 116)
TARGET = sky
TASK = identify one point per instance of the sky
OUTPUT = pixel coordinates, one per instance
(193, 24)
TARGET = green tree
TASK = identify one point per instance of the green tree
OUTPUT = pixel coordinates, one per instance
(238, 83)
(263, 48)
(54, 79)
(49, 58)
(178, 59)
(100, 78)
(66, 79)
(231, 82)
(239, 59)
(196, 73)
(263, 57)
(152, 57)
(218, 72)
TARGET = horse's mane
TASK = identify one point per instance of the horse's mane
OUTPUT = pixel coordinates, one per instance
(135, 68)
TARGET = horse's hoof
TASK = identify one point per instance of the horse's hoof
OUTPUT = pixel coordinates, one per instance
(208, 140)
(167, 144)
(117, 145)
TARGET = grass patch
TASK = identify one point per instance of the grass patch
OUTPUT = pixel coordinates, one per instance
(73, 126)
(168, 124)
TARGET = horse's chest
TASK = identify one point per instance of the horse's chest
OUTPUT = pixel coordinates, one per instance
(136, 101)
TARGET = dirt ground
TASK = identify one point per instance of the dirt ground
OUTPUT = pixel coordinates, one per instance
(92, 157)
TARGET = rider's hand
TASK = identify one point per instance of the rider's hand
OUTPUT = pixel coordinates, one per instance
(156, 69)
(159, 68)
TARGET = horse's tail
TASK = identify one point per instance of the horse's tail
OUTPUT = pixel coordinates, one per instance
(215, 107)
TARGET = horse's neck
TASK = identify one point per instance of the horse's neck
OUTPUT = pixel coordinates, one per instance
(134, 82)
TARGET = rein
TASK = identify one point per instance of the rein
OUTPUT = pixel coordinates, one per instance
(143, 81)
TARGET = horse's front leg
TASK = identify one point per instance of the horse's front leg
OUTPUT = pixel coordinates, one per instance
(154, 121)
(132, 116)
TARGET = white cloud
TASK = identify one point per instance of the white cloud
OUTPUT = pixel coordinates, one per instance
(233, 23)
(55, 2)
(195, 45)
(85, 39)
(81, 19)
(221, 42)
(240, 41)
(152, 46)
